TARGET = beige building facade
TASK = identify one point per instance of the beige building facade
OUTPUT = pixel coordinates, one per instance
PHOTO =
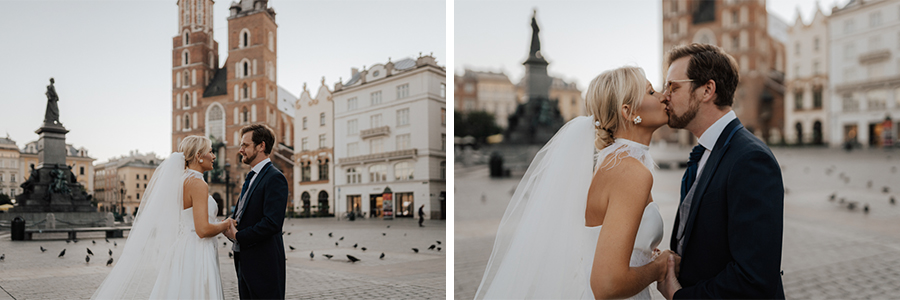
(121, 182)
(10, 168)
(314, 157)
(807, 98)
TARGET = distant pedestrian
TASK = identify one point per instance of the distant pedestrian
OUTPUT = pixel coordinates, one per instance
(421, 215)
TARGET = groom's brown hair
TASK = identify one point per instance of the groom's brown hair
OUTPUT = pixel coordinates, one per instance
(709, 62)
(261, 133)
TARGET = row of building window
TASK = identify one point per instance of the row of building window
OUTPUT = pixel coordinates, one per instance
(321, 121)
(875, 20)
(817, 99)
(305, 171)
(12, 177)
(375, 97)
(304, 144)
(376, 145)
(375, 121)
(378, 173)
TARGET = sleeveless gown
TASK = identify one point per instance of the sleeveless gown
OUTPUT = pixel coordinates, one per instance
(191, 270)
(649, 235)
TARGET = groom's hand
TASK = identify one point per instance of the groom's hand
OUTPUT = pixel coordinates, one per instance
(670, 285)
(231, 231)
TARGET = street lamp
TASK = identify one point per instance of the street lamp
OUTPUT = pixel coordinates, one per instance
(122, 198)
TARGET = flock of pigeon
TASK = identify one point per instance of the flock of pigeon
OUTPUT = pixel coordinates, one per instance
(350, 258)
(850, 204)
(87, 258)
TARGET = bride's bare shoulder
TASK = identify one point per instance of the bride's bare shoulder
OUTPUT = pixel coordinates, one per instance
(193, 184)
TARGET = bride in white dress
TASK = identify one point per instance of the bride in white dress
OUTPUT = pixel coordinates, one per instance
(583, 225)
(171, 249)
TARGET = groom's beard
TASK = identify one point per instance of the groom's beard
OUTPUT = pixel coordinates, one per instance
(249, 159)
(676, 121)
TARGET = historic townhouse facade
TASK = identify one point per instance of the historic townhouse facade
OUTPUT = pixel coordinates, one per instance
(390, 133)
(314, 156)
(807, 98)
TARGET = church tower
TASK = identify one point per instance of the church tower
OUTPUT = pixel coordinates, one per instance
(194, 63)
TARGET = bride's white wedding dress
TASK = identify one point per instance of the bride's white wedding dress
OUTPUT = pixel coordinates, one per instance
(163, 258)
(192, 271)
(543, 250)
(649, 235)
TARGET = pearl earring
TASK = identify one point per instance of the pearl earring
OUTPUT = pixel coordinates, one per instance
(201, 160)
(596, 123)
(637, 120)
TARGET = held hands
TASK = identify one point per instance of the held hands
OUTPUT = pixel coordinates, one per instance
(669, 285)
(231, 230)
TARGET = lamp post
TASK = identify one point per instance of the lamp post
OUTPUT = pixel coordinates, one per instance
(122, 198)
(227, 188)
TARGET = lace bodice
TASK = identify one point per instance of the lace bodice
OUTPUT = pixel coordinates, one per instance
(187, 216)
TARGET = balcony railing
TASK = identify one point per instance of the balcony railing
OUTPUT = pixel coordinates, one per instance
(373, 132)
(874, 56)
(384, 156)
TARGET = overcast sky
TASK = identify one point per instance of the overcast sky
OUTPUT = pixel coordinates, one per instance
(580, 39)
(112, 60)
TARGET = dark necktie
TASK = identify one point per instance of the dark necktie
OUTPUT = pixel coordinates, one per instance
(691, 174)
(244, 190)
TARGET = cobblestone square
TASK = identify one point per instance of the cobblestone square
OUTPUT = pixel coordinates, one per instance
(27, 273)
(830, 251)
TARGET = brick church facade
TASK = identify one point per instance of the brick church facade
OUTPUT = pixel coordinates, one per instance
(217, 101)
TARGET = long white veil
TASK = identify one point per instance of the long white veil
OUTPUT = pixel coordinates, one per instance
(542, 247)
(152, 235)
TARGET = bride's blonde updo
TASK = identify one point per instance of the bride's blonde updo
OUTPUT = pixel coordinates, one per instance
(192, 146)
(605, 96)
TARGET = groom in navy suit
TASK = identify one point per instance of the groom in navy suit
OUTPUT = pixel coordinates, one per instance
(729, 226)
(258, 245)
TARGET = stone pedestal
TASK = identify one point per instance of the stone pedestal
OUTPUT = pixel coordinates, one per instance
(51, 145)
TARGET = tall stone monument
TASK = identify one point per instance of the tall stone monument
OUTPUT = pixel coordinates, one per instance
(538, 119)
(52, 187)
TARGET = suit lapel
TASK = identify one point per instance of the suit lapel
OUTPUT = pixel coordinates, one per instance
(253, 186)
(712, 165)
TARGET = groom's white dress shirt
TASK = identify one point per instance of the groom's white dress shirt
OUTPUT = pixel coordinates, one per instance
(709, 138)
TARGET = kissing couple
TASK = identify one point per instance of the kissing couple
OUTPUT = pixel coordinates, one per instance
(582, 225)
(171, 251)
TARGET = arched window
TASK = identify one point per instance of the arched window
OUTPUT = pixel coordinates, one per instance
(377, 173)
(215, 118)
(305, 198)
(271, 41)
(187, 122)
(246, 69)
(244, 38)
(185, 81)
(186, 101)
(403, 171)
(244, 115)
(323, 202)
(185, 58)
(244, 91)
(323, 169)
(186, 40)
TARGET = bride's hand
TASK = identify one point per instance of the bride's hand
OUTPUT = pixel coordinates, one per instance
(661, 262)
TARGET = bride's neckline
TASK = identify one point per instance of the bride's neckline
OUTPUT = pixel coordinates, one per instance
(631, 143)
(193, 171)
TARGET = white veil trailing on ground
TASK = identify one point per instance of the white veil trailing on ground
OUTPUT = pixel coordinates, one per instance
(153, 233)
(542, 246)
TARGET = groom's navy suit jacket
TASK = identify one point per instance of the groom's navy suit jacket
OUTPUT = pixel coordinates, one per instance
(733, 235)
(259, 235)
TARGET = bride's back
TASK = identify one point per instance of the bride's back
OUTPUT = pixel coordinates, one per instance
(607, 182)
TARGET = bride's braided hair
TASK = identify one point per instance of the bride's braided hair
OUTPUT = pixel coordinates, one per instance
(192, 146)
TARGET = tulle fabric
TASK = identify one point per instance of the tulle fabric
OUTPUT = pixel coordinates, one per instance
(163, 258)
(192, 271)
(154, 231)
(543, 249)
